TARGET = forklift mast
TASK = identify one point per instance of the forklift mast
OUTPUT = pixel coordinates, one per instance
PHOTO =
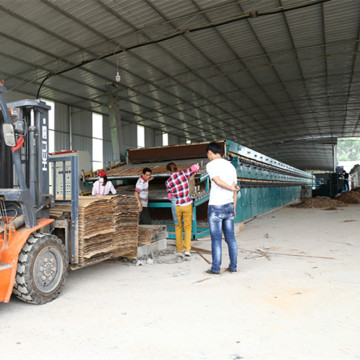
(33, 261)
(6, 164)
(30, 186)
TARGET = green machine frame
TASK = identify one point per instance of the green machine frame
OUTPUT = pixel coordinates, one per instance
(265, 183)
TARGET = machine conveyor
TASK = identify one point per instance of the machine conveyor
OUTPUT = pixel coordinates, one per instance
(265, 183)
(159, 205)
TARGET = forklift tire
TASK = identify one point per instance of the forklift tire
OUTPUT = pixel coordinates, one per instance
(41, 270)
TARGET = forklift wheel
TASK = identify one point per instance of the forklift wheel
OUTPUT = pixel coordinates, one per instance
(41, 270)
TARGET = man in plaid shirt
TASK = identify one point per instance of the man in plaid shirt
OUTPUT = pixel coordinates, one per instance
(178, 188)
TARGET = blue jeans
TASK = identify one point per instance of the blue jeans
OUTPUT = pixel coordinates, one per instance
(173, 211)
(221, 219)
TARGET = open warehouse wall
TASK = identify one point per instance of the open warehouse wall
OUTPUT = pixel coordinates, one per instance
(62, 128)
(73, 130)
(81, 130)
(149, 137)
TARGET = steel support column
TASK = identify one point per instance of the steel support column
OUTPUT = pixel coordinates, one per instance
(117, 139)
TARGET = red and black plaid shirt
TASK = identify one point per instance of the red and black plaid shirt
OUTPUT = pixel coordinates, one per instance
(178, 186)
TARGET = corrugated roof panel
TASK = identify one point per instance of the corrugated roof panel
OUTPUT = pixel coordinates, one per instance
(34, 41)
(251, 75)
(7, 65)
(221, 84)
(160, 59)
(262, 72)
(241, 39)
(184, 52)
(215, 13)
(214, 48)
(234, 68)
(271, 32)
(100, 18)
(37, 29)
(288, 72)
(259, 6)
(306, 26)
(170, 10)
(339, 24)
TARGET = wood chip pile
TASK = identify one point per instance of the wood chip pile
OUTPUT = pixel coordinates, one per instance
(108, 227)
(350, 197)
(320, 202)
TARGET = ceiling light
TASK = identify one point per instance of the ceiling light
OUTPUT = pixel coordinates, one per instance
(117, 77)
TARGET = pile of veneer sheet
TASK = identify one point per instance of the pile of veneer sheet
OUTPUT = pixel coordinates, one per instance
(108, 227)
(126, 225)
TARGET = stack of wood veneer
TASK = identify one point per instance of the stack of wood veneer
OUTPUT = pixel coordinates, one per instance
(108, 227)
(126, 225)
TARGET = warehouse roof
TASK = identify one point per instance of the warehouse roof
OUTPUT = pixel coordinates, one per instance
(278, 76)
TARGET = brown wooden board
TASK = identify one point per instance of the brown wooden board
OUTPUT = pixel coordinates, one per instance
(171, 152)
(151, 233)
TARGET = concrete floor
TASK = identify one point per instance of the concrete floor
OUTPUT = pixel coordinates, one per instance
(303, 304)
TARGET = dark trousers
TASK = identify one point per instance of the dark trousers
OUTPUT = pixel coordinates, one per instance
(145, 217)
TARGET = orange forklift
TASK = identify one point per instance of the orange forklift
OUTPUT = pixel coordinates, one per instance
(33, 260)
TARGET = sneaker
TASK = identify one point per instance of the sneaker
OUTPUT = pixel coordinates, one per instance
(231, 270)
(178, 253)
(209, 271)
(187, 253)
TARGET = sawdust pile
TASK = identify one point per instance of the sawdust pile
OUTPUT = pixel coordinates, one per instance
(350, 197)
(320, 202)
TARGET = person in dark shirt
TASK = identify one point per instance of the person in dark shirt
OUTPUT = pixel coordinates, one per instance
(346, 181)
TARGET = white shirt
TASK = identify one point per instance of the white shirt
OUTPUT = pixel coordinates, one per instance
(99, 190)
(142, 187)
(227, 173)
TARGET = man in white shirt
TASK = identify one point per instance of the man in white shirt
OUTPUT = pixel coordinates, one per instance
(222, 207)
(142, 195)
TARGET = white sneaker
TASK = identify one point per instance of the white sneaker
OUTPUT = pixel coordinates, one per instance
(178, 253)
(187, 253)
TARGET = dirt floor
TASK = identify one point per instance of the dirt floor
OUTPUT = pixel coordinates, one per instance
(295, 296)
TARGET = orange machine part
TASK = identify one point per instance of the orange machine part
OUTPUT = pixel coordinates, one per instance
(11, 244)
